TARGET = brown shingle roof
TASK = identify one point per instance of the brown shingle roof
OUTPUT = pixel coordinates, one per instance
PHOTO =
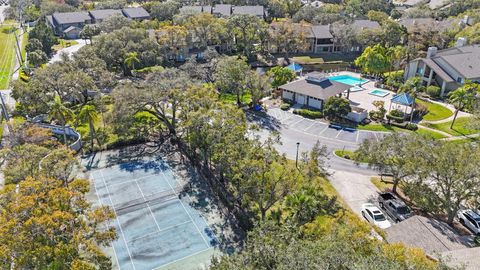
(321, 31)
(431, 235)
(321, 90)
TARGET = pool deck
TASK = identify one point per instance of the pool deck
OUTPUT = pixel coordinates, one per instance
(363, 99)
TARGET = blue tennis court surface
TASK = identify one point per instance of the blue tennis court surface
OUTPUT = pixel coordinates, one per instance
(156, 225)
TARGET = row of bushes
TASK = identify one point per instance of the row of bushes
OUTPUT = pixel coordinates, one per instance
(285, 106)
(405, 125)
(308, 113)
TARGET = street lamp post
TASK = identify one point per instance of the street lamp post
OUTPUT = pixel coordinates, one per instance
(296, 159)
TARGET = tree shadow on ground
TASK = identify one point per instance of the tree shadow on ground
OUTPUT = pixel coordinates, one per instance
(200, 196)
(264, 120)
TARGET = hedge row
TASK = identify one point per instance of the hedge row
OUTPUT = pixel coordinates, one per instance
(308, 113)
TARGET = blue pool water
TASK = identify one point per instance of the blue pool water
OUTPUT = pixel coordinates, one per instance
(348, 80)
(379, 93)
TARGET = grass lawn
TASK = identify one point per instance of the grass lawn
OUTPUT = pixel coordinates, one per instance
(388, 128)
(62, 43)
(429, 133)
(24, 44)
(376, 127)
(435, 111)
(308, 60)
(465, 140)
(459, 128)
(380, 184)
(386, 184)
(7, 55)
(232, 98)
(348, 155)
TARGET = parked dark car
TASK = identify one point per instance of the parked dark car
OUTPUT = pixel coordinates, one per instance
(394, 207)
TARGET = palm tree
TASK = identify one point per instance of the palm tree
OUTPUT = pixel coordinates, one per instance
(59, 111)
(88, 114)
(130, 59)
(462, 98)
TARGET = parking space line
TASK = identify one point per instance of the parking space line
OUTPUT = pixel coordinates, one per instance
(118, 221)
(299, 121)
(358, 133)
(339, 133)
(323, 130)
(185, 209)
(374, 134)
(274, 112)
(148, 206)
(310, 126)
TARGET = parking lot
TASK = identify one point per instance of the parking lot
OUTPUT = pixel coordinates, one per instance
(321, 129)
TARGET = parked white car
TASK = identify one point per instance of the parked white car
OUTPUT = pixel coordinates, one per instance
(373, 215)
(470, 219)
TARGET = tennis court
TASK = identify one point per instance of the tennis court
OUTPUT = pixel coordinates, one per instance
(156, 225)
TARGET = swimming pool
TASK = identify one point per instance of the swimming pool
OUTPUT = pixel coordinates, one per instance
(346, 79)
(379, 93)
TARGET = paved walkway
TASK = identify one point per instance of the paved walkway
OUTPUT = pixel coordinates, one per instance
(69, 51)
(435, 130)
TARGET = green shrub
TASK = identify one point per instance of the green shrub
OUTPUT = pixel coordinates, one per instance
(405, 125)
(285, 106)
(411, 126)
(308, 113)
(395, 118)
(397, 113)
(287, 101)
(433, 91)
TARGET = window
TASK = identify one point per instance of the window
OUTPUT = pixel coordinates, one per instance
(380, 217)
(369, 213)
(470, 219)
(459, 80)
(402, 210)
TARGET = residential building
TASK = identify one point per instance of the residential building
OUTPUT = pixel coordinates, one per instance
(72, 32)
(101, 14)
(312, 90)
(466, 258)
(407, 3)
(222, 10)
(68, 20)
(430, 24)
(449, 68)
(136, 13)
(258, 11)
(433, 236)
(323, 39)
(438, 4)
(70, 24)
(196, 9)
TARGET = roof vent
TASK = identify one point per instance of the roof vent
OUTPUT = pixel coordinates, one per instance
(432, 51)
(316, 77)
(461, 41)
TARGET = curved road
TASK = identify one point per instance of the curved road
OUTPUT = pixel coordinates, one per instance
(351, 181)
(293, 128)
